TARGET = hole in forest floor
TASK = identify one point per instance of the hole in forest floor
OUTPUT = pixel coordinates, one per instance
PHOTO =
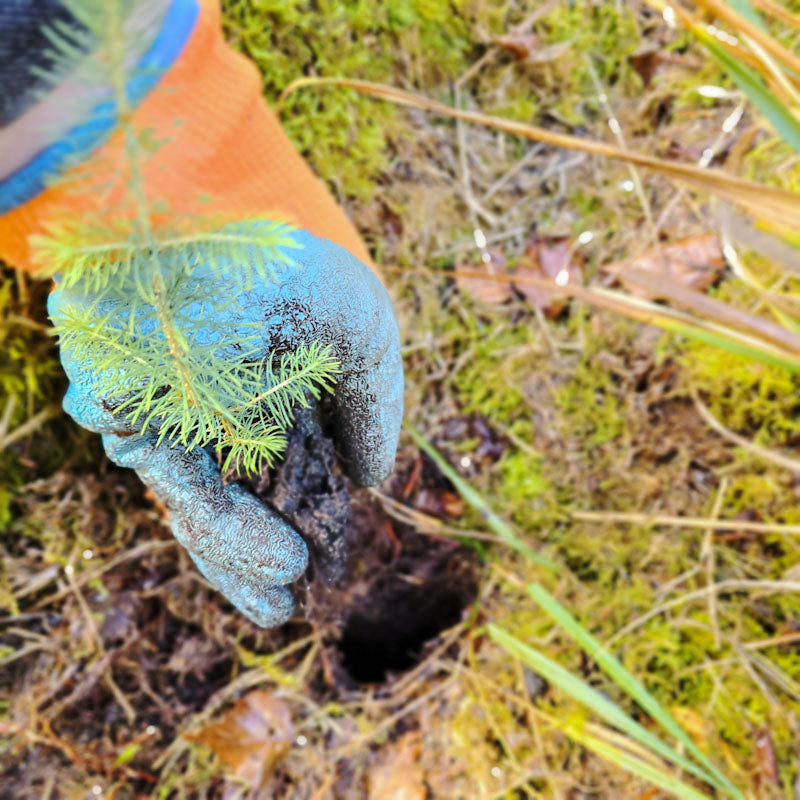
(385, 589)
(386, 629)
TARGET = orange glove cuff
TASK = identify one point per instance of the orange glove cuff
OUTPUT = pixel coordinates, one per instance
(221, 152)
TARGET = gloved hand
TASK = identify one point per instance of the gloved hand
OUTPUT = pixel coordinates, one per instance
(244, 549)
(229, 148)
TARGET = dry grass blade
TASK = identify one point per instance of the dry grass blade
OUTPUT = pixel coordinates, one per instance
(668, 521)
(728, 327)
(787, 462)
(724, 12)
(767, 202)
(669, 319)
(776, 10)
(730, 46)
(27, 428)
(716, 310)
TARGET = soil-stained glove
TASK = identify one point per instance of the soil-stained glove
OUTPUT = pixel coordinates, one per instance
(228, 147)
(244, 549)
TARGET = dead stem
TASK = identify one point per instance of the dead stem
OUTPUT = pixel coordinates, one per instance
(656, 520)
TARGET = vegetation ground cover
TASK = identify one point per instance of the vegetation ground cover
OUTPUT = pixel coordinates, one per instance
(117, 660)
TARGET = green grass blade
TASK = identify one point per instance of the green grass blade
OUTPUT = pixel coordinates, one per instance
(499, 526)
(580, 691)
(617, 672)
(758, 93)
(745, 8)
(684, 324)
(731, 343)
(669, 783)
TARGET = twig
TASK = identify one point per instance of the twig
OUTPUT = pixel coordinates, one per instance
(475, 208)
(733, 584)
(774, 641)
(27, 428)
(708, 555)
(5, 419)
(639, 518)
(792, 464)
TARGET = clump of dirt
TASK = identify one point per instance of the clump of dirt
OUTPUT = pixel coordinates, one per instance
(310, 491)
(383, 590)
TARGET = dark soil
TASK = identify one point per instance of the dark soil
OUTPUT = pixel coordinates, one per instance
(386, 589)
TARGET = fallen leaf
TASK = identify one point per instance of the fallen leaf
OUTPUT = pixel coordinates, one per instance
(399, 777)
(551, 257)
(494, 292)
(647, 64)
(527, 47)
(251, 738)
(439, 503)
(520, 44)
(695, 262)
(650, 63)
(767, 760)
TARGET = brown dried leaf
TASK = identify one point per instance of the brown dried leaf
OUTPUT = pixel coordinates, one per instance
(650, 63)
(252, 737)
(439, 503)
(520, 44)
(548, 257)
(494, 292)
(400, 777)
(646, 64)
(767, 760)
(527, 47)
(695, 262)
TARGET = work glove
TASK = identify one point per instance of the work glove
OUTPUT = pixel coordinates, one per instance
(325, 296)
(315, 291)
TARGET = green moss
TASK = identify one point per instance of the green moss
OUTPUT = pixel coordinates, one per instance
(30, 379)
(346, 136)
(589, 406)
(431, 43)
(757, 400)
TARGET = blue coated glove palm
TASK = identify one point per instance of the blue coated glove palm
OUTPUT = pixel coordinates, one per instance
(242, 547)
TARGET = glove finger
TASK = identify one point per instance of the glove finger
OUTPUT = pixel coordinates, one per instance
(365, 417)
(82, 405)
(223, 525)
(265, 605)
(332, 298)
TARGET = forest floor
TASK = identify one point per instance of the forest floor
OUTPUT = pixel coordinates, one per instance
(123, 674)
